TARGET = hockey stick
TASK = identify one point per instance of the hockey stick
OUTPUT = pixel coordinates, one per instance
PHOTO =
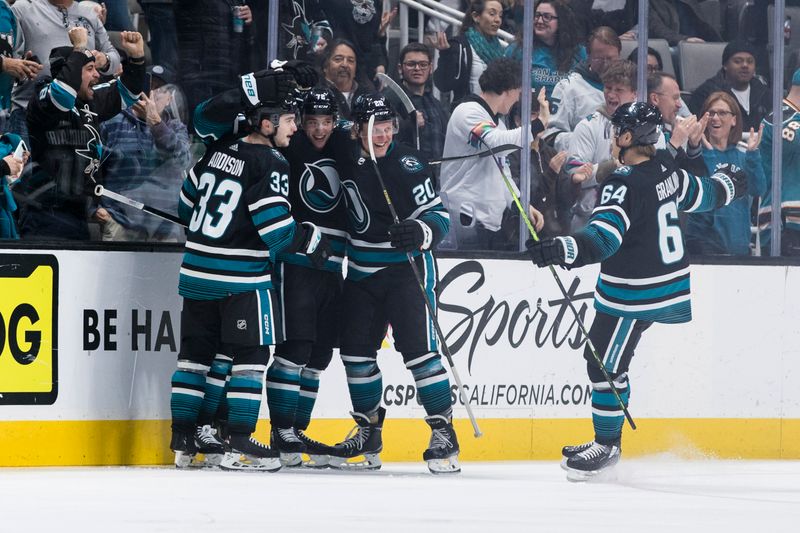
(99, 190)
(485, 153)
(405, 100)
(578, 318)
(418, 277)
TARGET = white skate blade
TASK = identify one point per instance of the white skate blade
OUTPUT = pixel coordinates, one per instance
(368, 461)
(316, 461)
(291, 460)
(448, 465)
(183, 459)
(582, 476)
(564, 463)
(248, 463)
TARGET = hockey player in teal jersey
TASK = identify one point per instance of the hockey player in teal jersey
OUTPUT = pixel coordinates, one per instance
(634, 234)
(238, 216)
(381, 289)
(790, 170)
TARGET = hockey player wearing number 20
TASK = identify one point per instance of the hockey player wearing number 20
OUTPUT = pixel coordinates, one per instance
(381, 288)
(634, 234)
(234, 204)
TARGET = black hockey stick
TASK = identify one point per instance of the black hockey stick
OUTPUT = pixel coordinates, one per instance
(578, 318)
(99, 190)
(418, 277)
(485, 153)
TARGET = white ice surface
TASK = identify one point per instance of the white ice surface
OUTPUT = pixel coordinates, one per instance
(642, 495)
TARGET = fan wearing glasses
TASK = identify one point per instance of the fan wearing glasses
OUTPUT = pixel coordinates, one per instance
(726, 231)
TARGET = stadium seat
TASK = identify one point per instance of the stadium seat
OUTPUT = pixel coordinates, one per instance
(659, 45)
(698, 62)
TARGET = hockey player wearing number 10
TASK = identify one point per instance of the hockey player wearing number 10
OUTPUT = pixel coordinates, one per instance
(635, 235)
(381, 287)
(234, 204)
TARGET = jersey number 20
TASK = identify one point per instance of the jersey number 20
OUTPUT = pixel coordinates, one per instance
(424, 193)
(214, 223)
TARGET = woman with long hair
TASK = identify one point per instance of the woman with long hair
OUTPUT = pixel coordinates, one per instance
(557, 47)
(464, 58)
(726, 231)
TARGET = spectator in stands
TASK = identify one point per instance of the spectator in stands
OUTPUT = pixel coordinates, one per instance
(679, 20)
(340, 68)
(63, 121)
(726, 231)
(737, 77)
(654, 62)
(160, 17)
(11, 68)
(44, 25)
(463, 59)
(10, 169)
(359, 22)
(557, 46)
(415, 68)
(472, 189)
(590, 161)
(210, 49)
(149, 155)
(579, 94)
(664, 92)
(790, 169)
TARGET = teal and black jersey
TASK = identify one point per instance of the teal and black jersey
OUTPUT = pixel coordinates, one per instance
(315, 193)
(235, 204)
(635, 234)
(409, 182)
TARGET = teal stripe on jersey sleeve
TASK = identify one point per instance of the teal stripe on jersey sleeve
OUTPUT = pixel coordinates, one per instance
(597, 242)
(612, 218)
(62, 95)
(269, 216)
(701, 194)
(208, 130)
(633, 295)
(279, 239)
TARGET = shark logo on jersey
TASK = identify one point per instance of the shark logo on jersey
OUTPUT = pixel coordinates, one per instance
(411, 163)
(279, 156)
(320, 186)
(357, 210)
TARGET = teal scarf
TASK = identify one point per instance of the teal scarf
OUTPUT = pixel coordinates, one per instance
(488, 49)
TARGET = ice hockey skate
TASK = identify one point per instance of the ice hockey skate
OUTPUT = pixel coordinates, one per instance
(592, 461)
(361, 449)
(210, 449)
(248, 455)
(286, 441)
(319, 454)
(182, 443)
(442, 452)
(571, 451)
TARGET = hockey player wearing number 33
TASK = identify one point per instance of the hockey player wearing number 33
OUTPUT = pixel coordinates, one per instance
(381, 287)
(635, 235)
(234, 203)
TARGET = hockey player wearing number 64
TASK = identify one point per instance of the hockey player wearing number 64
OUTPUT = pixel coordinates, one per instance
(634, 234)
(235, 205)
(381, 287)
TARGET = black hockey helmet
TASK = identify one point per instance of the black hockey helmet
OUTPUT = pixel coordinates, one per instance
(273, 110)
(320, 101)
(372, 104)
(643, 120)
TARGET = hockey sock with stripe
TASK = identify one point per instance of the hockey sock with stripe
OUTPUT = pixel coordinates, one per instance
(283, 391)
(309, 387)
(365, 382)
(188, 386)
(244, 397)
(607, 415)
(216, 382)
(432, 381)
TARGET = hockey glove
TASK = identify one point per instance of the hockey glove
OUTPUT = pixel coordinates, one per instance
(303, 72)
(560, 251)
(411, 235)
(266, 87)
(733, 182)
(315, 245)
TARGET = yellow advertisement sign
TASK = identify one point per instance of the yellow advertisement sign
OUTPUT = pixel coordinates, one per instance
(28, 329)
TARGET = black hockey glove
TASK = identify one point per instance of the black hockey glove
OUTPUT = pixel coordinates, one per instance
(303, 72)
(411, 235)
(560, 251)
(733, 181)
(266, 87)
(315, 244)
